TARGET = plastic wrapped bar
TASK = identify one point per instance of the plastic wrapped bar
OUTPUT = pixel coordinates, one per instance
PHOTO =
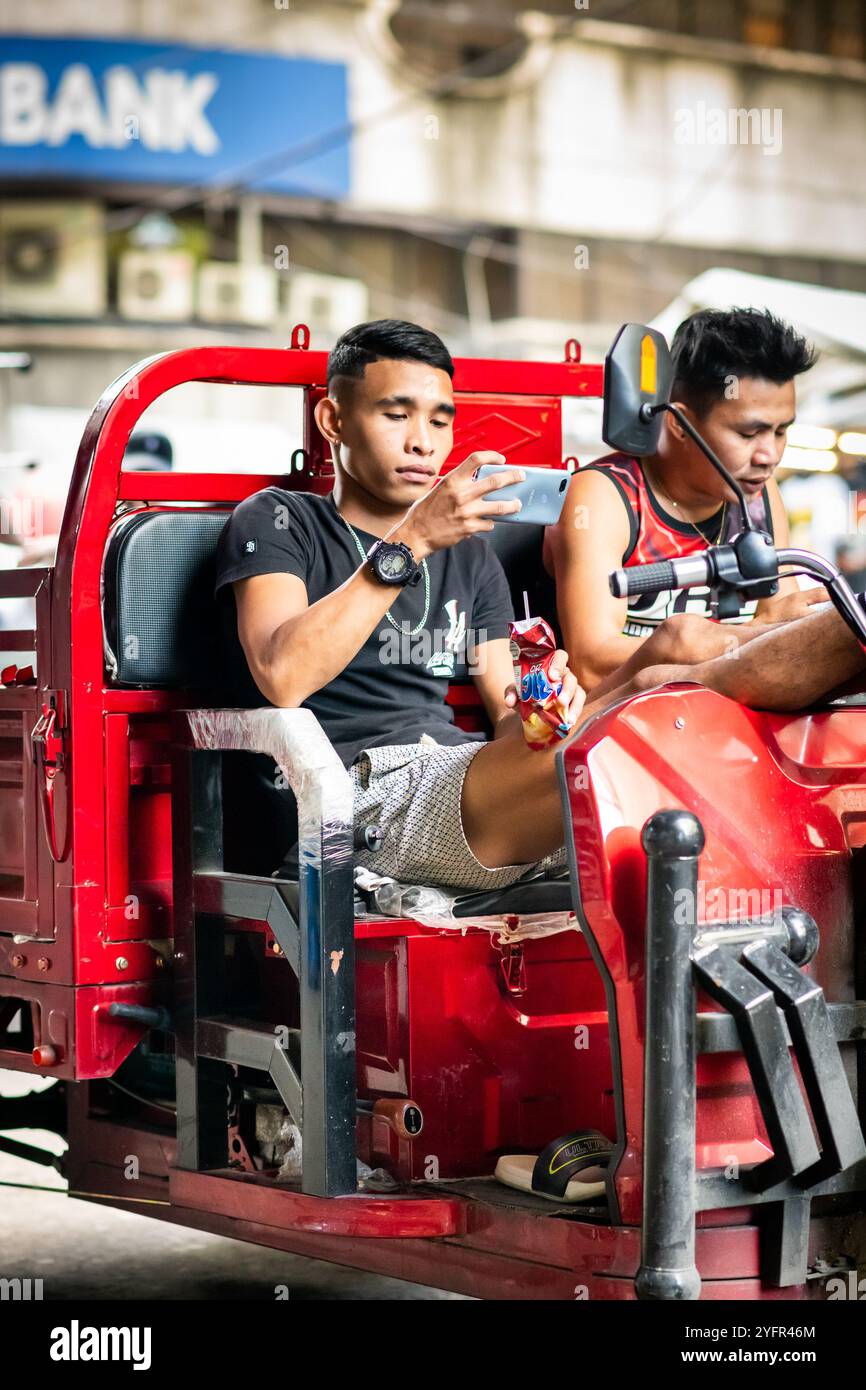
(323, 791)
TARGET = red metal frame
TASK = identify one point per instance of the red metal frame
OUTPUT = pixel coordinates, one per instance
(783, 799)
(487, 1245)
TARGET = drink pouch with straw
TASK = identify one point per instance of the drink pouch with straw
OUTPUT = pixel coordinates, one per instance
(542, 710)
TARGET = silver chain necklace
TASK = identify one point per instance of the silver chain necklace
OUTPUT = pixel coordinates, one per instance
(424, 570)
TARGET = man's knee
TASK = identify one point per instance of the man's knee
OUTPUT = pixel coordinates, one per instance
(653, 676)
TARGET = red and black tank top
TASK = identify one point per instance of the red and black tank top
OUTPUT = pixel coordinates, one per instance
(657, 535)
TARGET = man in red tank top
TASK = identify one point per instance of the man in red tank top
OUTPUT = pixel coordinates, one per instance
(734, 376)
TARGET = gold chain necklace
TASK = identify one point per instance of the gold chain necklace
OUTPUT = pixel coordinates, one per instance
(684, 519)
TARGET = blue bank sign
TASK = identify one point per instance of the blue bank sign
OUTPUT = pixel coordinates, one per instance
(159, 113)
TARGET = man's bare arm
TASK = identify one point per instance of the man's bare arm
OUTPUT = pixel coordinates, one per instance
(586, 544)
(293, 649)
(787, 668)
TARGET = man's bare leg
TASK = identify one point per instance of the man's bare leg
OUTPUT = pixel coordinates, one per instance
(511, 806)
(683, 640)
(787, 668)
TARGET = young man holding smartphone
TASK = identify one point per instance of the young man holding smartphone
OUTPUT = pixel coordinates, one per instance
(362, 604)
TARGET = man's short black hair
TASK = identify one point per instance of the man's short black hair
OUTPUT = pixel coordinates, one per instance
(715, 345)
(394, 339)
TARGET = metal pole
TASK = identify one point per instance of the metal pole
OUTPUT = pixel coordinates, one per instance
(672, 842)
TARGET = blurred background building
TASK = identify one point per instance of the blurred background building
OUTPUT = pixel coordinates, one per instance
(177, 173)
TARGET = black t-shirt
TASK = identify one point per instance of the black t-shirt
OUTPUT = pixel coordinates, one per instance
(394, 689)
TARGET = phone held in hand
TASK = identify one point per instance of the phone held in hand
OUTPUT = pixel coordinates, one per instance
(542, 493)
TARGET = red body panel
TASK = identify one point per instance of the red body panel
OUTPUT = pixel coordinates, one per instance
(492, 1073)
(776, 822)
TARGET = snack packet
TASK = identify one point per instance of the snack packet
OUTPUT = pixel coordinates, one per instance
(542, 711)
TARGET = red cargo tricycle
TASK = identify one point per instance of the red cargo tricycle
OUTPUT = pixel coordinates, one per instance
(704, 1007)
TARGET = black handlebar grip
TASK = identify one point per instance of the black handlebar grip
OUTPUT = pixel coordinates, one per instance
(643, 579)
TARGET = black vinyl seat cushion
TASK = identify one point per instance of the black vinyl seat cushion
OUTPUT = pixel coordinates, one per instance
(520, 548)
(160, 620)
(543, 894)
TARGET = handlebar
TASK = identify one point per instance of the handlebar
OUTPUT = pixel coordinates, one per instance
(662, 574)
(718, 566)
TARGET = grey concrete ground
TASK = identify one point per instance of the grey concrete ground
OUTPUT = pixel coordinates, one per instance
(82, 1251)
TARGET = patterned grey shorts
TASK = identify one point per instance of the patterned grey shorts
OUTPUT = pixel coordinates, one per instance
(413, 792)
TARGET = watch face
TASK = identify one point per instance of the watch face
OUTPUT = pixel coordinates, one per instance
(393, 564)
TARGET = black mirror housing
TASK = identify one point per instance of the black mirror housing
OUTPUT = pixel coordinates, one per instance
(638, 372)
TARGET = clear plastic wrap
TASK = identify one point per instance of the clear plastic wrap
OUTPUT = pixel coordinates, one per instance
(299, 746)
(433, 907)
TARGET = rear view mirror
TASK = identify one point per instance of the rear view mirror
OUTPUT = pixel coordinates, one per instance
(637, 373)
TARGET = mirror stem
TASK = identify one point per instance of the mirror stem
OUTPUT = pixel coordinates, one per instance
(647, 411)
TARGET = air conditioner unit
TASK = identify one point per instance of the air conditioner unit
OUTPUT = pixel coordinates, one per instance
(327, 304)
(52, 260)
(229, 293)
(156, 286)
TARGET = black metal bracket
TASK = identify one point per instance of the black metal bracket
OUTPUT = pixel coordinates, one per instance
(763, 1041)
(243, 1044)
(313, 922)
(717, 1032)
(268, 900)
(820, 1062)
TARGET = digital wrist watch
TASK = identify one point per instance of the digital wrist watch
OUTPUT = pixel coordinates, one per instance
(392, 562)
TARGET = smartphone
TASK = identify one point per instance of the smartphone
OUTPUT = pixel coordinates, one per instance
(542, 493)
